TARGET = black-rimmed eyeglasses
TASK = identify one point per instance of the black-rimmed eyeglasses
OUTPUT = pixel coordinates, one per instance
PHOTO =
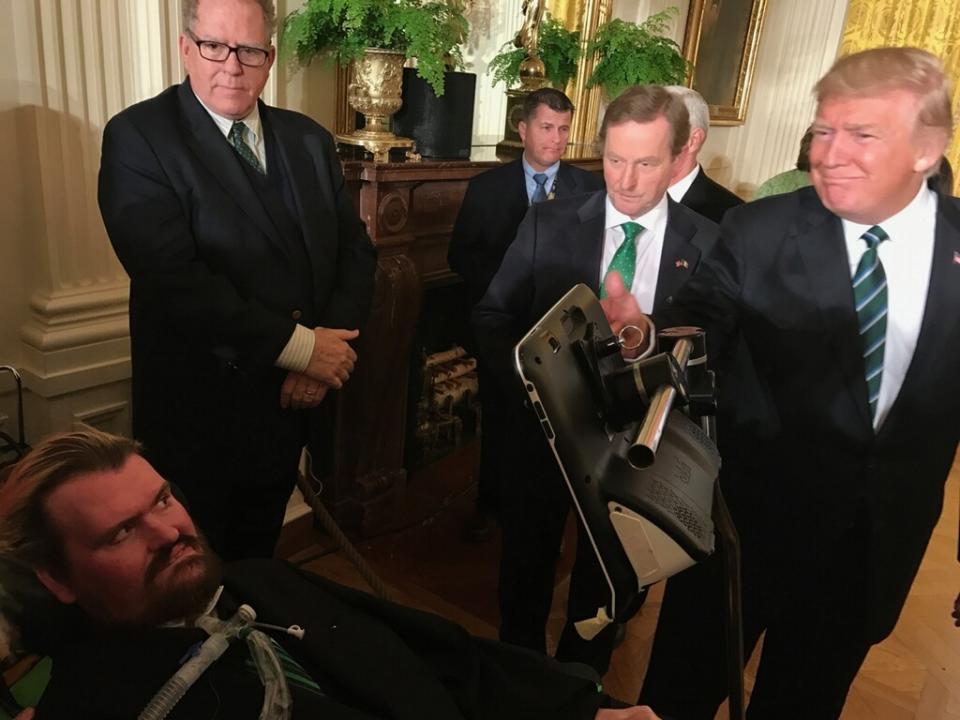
(219, 52)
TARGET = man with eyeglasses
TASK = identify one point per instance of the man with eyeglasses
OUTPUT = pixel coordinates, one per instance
(250, 275)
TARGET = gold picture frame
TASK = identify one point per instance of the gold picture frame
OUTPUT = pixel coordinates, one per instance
(721, 42)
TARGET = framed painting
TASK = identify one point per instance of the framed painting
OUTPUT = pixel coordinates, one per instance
(720, 43)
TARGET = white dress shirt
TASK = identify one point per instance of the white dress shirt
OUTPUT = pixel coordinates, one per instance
(649, 245)
(680, 187)
(906, 257)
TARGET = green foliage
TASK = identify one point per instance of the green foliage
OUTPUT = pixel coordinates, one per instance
(340, 30)
(631, 54)
(505, 66)
(559, 51)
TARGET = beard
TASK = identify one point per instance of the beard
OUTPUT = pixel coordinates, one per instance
(181, 589)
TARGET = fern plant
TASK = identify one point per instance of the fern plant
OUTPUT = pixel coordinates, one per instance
(636, 54)
(340, 30)
(559, 51)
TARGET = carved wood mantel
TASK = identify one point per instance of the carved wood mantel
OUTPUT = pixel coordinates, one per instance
(409, 210)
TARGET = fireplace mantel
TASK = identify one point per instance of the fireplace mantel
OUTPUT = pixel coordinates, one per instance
(409, 210)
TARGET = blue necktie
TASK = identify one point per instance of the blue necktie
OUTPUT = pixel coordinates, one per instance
(540, 194)
(870, 299)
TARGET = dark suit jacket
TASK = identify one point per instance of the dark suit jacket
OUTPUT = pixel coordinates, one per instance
(558, 245)
(709, 198)
(371, 658)
(780, 276)
(493, 206)
(214, 287)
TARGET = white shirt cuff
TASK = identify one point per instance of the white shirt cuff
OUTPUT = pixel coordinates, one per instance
(298, 350)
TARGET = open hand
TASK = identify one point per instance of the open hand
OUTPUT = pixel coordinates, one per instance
(333, 358)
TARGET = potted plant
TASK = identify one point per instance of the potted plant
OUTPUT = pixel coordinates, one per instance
(374, 37)
(628, 54)
(559, 49)
(343, 30)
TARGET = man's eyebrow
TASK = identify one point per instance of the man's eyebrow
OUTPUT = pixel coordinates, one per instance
(109, 534)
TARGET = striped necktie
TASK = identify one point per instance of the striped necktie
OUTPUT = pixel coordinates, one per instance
(540, 193)
(870, 299)
(625, 259)
(235, 138)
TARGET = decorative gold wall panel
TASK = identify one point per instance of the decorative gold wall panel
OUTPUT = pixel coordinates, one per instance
(933, 25)
(587, 15)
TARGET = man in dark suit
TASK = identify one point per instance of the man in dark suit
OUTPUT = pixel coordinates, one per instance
(250, 272)
(493, 206)
(846, 294)
(635, 233)
(691, 186)
(110, 577)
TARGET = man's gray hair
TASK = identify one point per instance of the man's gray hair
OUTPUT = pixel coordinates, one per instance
(696, 106)
(188, 11)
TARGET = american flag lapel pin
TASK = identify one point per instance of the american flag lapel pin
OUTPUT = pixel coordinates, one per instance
(681, 263)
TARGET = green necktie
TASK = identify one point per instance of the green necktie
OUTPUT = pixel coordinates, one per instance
(235, 138)
(870, 299)
(625, 259)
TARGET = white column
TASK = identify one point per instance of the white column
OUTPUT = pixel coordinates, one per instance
(75, 64)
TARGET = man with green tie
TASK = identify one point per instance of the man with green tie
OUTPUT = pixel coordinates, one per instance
(634, 232)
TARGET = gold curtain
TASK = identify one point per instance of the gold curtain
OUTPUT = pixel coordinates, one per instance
(587, 15)
(933, 25)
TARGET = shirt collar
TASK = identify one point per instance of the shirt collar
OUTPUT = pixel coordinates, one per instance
(252, 120)
(650, 219)
(900, 224)
(680, 187)
(529, 171)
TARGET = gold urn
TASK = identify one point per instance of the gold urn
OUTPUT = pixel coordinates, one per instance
(376, 83)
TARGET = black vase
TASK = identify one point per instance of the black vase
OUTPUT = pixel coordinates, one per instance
(441, 126)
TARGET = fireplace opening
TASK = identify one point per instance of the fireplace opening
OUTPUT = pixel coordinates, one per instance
(444, 403)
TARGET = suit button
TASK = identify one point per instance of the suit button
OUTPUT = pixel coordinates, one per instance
(296, 314)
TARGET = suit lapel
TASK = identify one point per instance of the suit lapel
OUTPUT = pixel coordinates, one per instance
(567, 182)
(587, 241)
(302, 181)
(207, 143)
(518, 199)
(679, 257)
(820, 241)
(696, 193)
(939, 327)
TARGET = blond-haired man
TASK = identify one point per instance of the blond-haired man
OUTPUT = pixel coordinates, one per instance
(129, 590)
(846, 294)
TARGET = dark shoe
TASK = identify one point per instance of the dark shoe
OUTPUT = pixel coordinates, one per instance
(479, 527)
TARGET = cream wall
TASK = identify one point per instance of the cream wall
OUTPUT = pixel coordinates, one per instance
(74, 63)
(798, 43)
